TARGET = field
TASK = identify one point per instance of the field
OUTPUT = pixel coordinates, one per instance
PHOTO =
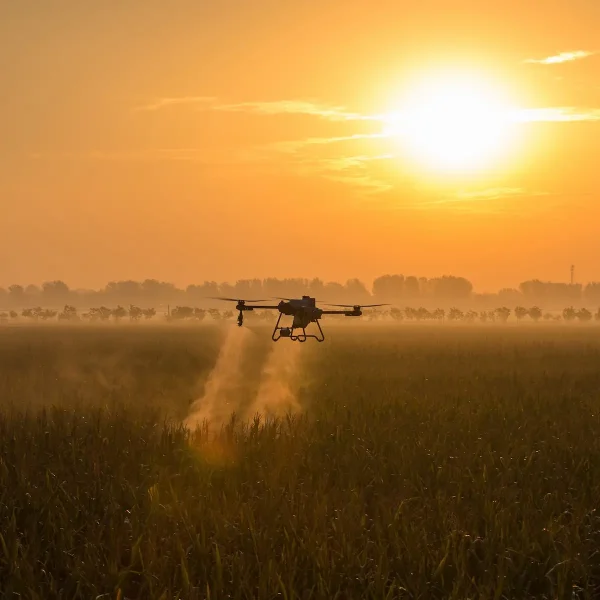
(419, 462)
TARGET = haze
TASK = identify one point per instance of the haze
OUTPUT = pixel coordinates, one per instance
(196, 140)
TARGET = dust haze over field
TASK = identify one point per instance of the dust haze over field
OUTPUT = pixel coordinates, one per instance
(223, 391)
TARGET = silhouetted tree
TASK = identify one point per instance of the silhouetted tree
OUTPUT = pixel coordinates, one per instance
(396, 314)
(148, 313)
(69, 313)
(455, 314)
(569, 314)
(535, 313)
(584, 315)
(521, 312)
(135, 313)
(388, 288)
(118, 313)
(502, 314)
(55, 292)
(182, 312)
(469, 316)
(16, 295)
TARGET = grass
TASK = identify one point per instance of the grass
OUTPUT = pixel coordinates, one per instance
(448, 462)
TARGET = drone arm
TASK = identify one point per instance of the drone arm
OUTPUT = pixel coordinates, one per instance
(348, 313)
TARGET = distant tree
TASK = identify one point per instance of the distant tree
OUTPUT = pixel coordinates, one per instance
(13, 314)
(422, 314)
(396, 314)
(569, 314)
(502, 314)
(119, 312)
(455, 314)
(3, 317)
(411, 287)
(199, 314)
(388, 287)
(470, 316)
(100, 314)
(438, 314)
(69, 313)
(520, 312)
(135, 313)
(16, 295)
(450, 287)
(214, 313)
(47, 314)
(548, 316)
(55, 292)
(32, 313)
(182, 312)
(584, 315)
(410, 313)
(228, 314)
(509, 295)
(535, 313)
(356, 291)
(148, 313)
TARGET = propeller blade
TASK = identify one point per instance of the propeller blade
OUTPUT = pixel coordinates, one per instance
(370, 305)
(359, 305)
(234, 299)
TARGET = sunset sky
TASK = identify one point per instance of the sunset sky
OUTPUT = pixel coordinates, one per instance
(196, 140)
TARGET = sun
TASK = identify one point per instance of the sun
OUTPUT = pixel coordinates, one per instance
(453, 123)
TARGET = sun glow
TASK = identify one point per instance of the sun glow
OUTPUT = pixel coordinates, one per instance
(454, 123)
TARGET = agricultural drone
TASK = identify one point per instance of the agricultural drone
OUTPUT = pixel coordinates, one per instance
(303, 310)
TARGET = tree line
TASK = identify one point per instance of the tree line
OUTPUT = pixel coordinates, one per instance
(189, 313)
(396, 289)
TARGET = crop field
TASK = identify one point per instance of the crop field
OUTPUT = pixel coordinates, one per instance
(200, 462)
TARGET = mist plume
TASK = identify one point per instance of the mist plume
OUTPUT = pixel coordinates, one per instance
(277, 390)
(222, 392)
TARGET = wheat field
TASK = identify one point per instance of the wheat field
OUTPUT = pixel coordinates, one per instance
(401, 462)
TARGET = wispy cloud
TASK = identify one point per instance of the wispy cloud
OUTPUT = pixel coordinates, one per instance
(493, 193)
(558, 114)
(295, 107)
(352, 170)
(161, 103)
(292, 146)
(275, 107)
(561, 58)
(484, 200)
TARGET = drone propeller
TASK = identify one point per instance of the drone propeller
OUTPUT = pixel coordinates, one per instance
(235, 299)
(360, 305)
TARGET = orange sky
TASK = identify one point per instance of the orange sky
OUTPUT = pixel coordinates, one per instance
(196, 140)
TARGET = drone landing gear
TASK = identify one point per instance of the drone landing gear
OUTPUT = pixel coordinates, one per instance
(288, 332)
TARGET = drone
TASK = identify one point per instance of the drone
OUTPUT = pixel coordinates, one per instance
(303, 310)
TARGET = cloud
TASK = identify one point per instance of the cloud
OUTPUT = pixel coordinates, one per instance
(166, 102)
(295, 107)
(561, 58)
(558, 114)
(351, 170)
(276, 107)
(493, 193)
(295, 145)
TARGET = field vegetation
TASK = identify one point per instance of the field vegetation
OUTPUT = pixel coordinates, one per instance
(450, 462)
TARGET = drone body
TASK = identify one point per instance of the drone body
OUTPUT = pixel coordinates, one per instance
(304, 311)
